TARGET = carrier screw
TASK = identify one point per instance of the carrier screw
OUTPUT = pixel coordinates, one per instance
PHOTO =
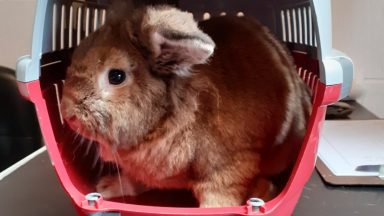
(93, 199)
(255, 204)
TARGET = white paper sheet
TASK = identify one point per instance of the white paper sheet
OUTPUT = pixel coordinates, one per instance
(344, 145)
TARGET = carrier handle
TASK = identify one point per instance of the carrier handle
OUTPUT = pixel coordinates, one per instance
(339, 70)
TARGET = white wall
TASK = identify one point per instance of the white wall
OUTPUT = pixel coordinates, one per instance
(358, 30)
(16, 23)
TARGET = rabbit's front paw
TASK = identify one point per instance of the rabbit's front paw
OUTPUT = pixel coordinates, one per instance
(113, 186)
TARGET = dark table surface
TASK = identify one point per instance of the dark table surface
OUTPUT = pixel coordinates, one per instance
(34, 190)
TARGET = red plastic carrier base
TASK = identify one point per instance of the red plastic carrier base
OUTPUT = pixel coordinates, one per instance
(46, 100)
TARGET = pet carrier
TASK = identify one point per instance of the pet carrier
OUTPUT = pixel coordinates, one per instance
(303, 25)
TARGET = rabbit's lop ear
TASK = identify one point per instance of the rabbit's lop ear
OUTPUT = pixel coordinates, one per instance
(174, 40)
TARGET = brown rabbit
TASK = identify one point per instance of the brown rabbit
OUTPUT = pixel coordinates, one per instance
(218, 112)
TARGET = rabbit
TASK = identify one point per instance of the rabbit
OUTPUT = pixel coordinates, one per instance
(214, 107)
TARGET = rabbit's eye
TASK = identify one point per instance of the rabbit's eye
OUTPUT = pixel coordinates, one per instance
(116, 76)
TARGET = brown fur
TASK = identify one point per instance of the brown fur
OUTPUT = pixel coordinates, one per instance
(219, 128)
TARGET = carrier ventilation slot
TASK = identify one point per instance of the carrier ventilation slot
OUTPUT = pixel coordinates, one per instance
(72, 23)
(310, 78)
(298, 27)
